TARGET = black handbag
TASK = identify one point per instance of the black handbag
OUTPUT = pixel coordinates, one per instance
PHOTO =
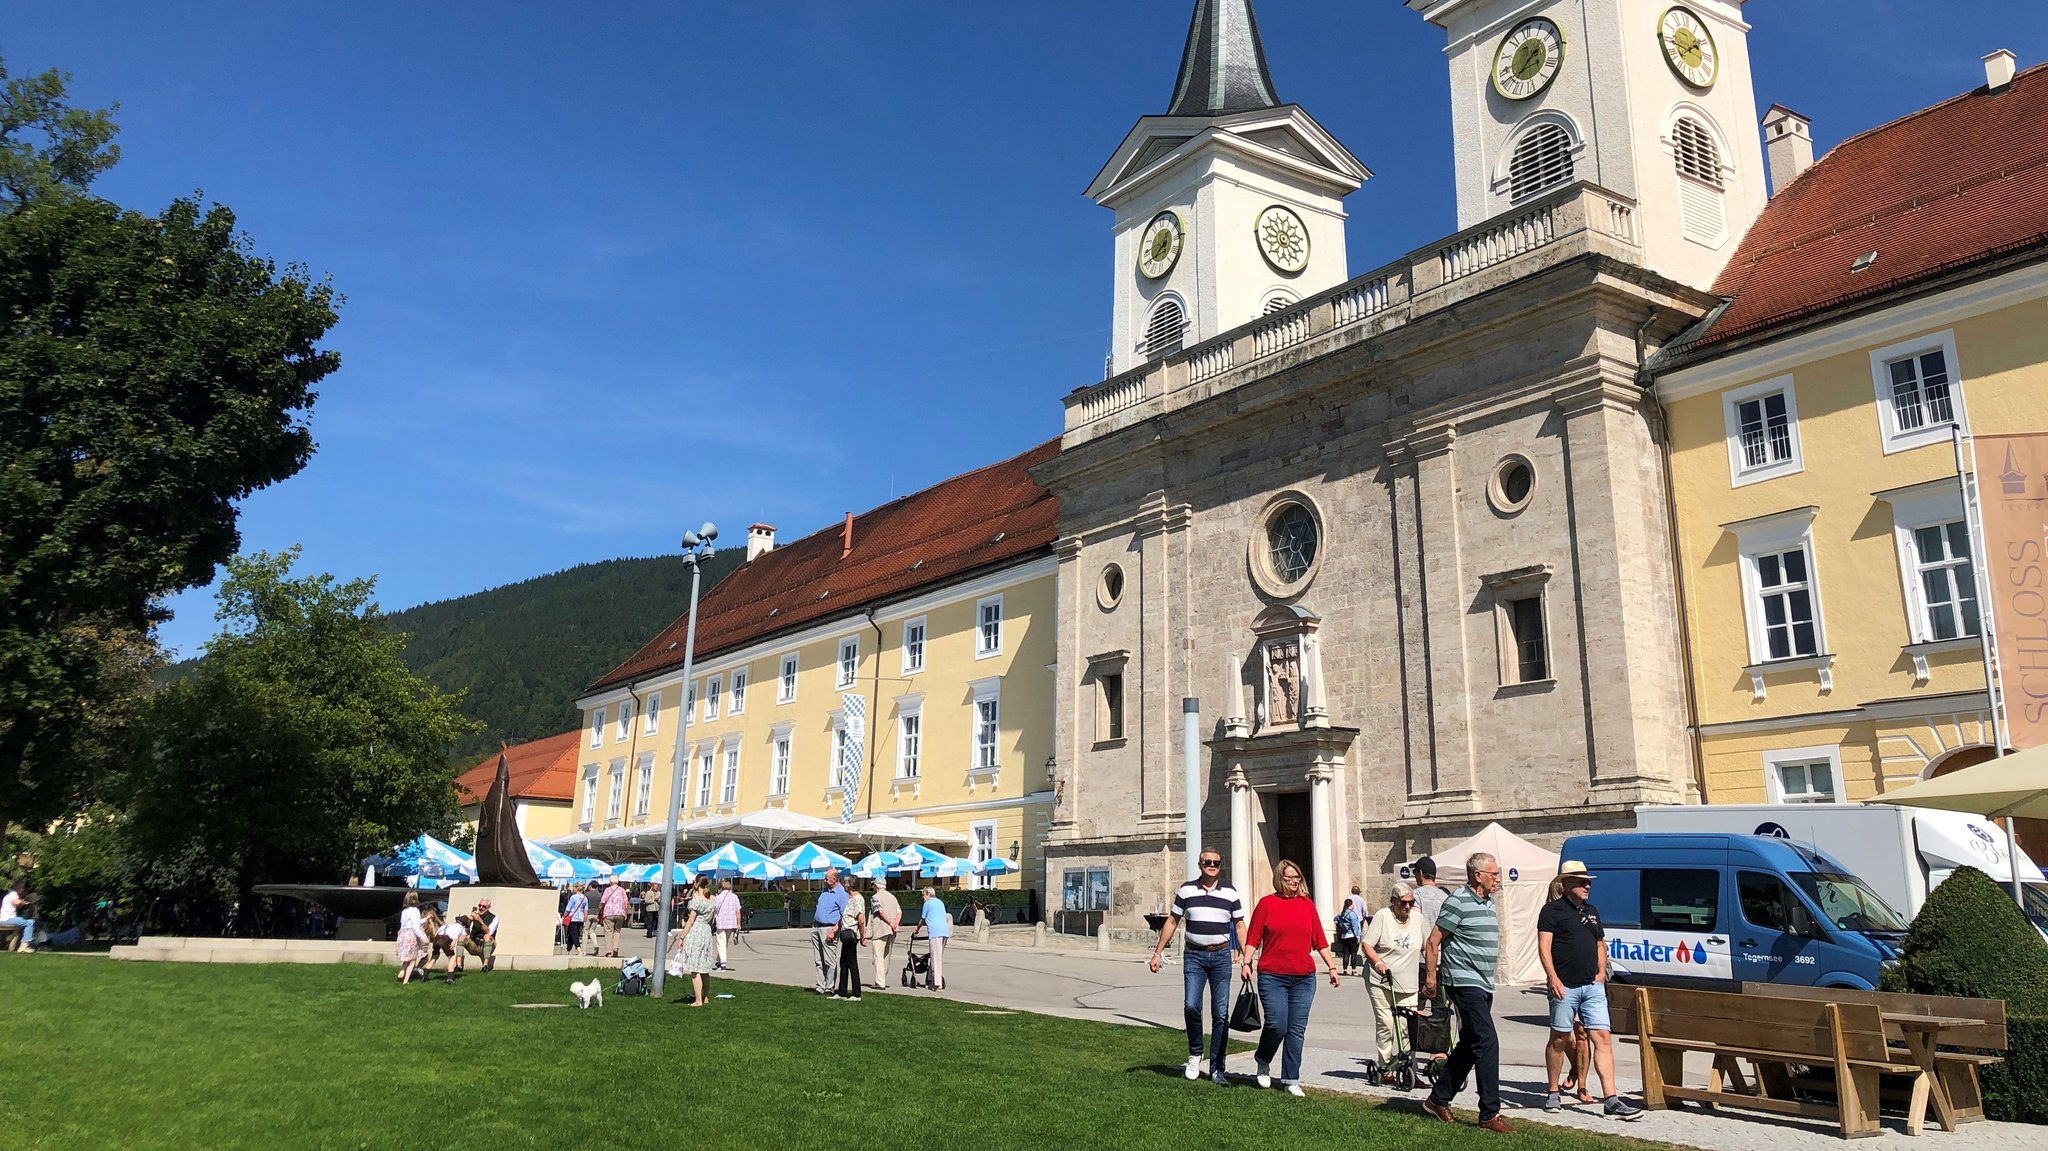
(1244, 1014)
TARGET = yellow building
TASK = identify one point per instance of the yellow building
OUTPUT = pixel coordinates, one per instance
(542, 778)
(924, 628)
(1891, 302)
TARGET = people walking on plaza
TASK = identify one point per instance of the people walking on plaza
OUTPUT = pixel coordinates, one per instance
(412, 936)
(1579, 1055)
(1429, 898)
(825, 932)
(14, 912)
(725, 921)
(938, 928)
(1462, 951)
(650, 908)
(1280, 945)
(852, 934)
(573, 917)
(699, 956)
(1344, 937)
(885, 916)
(1209, 949)
(613, 905)
(1572, 945)
(483, 934)
(1392, 944)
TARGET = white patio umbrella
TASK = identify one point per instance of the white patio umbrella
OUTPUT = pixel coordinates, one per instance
(2010, 787)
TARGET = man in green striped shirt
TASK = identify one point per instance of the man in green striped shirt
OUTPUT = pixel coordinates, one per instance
(1465, 946)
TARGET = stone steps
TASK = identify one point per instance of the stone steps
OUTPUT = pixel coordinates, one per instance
(186, 949)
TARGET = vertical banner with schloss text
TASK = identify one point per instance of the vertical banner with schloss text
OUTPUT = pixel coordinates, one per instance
(2012, 493)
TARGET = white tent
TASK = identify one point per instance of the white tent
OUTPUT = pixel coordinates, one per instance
(1525, 874)
(896, 829)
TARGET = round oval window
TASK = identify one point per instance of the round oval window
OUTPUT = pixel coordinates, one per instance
(1111, 590)
(1291, 542)
(1514, 481)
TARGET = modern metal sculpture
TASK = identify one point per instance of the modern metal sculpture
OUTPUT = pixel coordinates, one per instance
(500, 850)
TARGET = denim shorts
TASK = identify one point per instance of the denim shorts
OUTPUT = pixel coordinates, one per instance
(1588, 1004)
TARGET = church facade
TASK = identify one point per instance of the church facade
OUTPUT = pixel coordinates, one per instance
(1401, 536)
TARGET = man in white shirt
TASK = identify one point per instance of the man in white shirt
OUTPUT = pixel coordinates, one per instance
(1212, 911)
(10, 914)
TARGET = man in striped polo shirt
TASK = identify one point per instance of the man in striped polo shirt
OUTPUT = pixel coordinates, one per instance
(1212, 910)
(1464, 947)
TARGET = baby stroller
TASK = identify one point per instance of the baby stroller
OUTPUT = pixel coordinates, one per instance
(1422, 1040)
(917, 967)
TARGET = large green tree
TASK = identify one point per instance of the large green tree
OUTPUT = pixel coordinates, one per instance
(300, 744)
(153, 371)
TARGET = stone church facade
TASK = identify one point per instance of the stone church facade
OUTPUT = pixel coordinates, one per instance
(1402, 535)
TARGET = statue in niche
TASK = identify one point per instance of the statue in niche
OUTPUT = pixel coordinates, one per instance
(1283, 683)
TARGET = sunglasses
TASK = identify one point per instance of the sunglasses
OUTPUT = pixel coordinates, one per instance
(1212, 863)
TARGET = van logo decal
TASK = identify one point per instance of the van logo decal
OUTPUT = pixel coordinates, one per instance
(1774, 830)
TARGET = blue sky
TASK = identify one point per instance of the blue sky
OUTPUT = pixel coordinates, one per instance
(612, 270)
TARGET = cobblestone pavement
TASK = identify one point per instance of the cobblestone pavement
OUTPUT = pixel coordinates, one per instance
(1116, 987)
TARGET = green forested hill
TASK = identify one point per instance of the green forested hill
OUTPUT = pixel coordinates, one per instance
(523, 652)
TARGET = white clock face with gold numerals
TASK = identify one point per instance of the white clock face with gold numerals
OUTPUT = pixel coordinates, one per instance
(1689, 47)
(1528, 59)
(1283, 238)
(1159, 245)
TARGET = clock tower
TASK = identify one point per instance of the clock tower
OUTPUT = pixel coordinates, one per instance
(1651, 101)
(1228, 206)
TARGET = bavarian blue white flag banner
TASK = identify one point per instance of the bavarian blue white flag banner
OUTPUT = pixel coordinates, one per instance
(856, 711)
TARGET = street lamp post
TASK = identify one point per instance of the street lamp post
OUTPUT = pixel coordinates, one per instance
(696, 548)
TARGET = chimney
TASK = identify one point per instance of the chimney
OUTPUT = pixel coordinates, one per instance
(846, 537)
(760, 539)
(1998, 70)
(1788, 144)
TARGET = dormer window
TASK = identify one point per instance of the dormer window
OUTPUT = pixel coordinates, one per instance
(1542, 161)
(1164, 330)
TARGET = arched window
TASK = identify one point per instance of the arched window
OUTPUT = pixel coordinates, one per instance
(1163, 331)
(1542, 160)
(1697, 155)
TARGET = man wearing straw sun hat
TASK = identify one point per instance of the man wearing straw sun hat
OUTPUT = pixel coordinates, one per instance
(1571, 944)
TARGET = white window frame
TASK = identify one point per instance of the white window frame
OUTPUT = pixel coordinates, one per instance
(736, 700)
(834, 753)
(707, 762)
(983, 646)
(909, 737)
(785, 679)
(729, 786)
(711, 692)
(846, 670)
(597, 727)
(985, 692)
(624, 725)
(914, 652)
(1740, 474)
(981, 852)
(650, 720)
(782, 745)
(1774, 778)
(1893, 439)
(615, 803)
(589, 794)
(690, 699)
(643, 786)
(1923, 506)
(1769, 535)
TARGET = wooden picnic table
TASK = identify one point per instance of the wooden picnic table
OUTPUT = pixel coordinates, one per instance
(1921, 1035)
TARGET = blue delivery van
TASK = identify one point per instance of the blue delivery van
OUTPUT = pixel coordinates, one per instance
(1709, 910)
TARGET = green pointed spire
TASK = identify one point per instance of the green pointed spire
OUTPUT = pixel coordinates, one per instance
(1224, 66)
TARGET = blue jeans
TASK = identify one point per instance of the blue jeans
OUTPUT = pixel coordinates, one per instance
(28, 929)
(1212, 968)
(1285, 1000)
(1478, 1048)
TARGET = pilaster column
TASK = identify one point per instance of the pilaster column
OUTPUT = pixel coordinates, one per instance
(1321, 781)
(1240, 830)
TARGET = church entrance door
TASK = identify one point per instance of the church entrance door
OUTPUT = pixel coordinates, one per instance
(1292, 834)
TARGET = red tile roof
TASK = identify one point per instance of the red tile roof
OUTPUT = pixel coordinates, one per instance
(542, 769)
(1959, 184)
(991, 516)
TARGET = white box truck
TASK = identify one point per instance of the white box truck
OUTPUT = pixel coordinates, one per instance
(1901, 853)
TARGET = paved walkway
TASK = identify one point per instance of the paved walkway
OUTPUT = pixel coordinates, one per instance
(1116, 987)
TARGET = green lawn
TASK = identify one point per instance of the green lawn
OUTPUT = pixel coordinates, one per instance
(98, 1054)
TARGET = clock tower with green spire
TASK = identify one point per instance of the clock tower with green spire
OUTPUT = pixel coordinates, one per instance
(1228, 206)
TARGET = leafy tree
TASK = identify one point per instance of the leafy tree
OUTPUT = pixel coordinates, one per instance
(152, 372)
(300, 744)
(46, 145)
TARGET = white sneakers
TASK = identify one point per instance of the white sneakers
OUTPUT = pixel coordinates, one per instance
(1265, 1075)
(1194, 1070)
(1294, 1089)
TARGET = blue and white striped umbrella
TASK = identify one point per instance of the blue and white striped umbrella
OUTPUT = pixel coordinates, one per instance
(427, 862)
(737, 861)
(950, 869)
(556, 868)
(919, 856)
(876, 865)
(999, 866)
(809, 861)
(651, 873)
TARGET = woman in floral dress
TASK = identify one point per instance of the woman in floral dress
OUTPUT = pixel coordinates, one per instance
(699, 953)
(412, 938)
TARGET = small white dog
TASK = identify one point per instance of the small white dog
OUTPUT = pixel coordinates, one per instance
(588, 993)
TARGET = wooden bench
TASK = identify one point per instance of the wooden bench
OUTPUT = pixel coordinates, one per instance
(10, 938)
(1845, 1042)
(1974, 1023)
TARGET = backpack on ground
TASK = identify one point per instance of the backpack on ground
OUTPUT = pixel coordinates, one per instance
(633, 978)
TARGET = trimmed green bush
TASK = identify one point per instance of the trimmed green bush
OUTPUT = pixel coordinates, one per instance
(1970, 939)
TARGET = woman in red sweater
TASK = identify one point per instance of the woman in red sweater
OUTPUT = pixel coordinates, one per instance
(1282, 940)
